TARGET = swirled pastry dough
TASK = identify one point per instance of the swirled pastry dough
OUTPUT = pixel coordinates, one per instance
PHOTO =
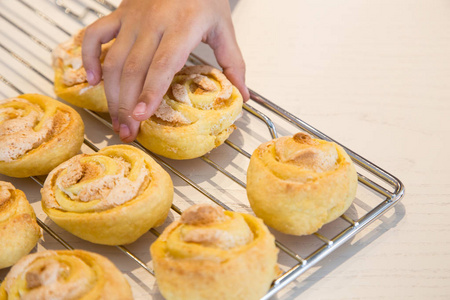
(37, 133)
(297, 184)
(111, 197)
(195, 116)
(19, 231)
(65, 275)
(70, 76)
(214, 254)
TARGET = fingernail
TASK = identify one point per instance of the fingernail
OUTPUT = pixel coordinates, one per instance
(90, 76)
(115, 124)
(124, 131)
(140, 109)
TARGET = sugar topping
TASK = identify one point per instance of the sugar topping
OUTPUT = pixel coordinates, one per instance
(46, 277)
(307, 153)
(195, 86)
(84, 180)
(68, 56)
(202, 214)
(18, 133)
(210, 226)
(167, 113)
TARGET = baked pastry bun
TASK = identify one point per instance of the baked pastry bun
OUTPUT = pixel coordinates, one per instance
(297, 184)
(214, 254)
(195, 116)
(111, 197)
(65, 274)
(19, 231)
(70, 76)
(37, 133)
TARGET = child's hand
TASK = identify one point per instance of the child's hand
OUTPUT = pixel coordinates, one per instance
(153, 41)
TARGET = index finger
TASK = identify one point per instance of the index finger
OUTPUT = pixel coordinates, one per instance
(169, 58)
(98, 33)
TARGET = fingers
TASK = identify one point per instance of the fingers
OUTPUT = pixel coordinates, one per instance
(98, 33)
(140, 65)
(169, 58)
(112, 70)
(131, 83)
(229, 57)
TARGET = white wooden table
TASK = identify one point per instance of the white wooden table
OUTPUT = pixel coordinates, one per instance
(373, 75)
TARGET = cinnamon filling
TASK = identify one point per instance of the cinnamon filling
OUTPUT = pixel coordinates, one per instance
(307, 153)
(211, 227)
(24, 127)
(197, 86)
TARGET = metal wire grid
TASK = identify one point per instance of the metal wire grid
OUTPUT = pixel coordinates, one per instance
(389, 197)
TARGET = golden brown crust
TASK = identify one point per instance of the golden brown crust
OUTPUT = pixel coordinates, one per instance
(222, 255)
(70, 77)
(196, 114)
(202, 215)
(37, 133)
(298, 184)
(19, 230)
(66, 274)
(111, 197)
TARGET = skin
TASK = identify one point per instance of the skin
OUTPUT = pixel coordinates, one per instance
(153, 41)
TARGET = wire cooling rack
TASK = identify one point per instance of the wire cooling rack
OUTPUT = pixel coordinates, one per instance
(31, 29)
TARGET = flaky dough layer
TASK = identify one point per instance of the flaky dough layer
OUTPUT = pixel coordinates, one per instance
(70, 76)
(19, 230)
(212, 254)
(297, 184)
(111, 197)
(37, 133)
(195, 116)
(65, 274)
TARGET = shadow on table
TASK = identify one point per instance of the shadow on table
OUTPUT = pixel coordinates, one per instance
(343, 253)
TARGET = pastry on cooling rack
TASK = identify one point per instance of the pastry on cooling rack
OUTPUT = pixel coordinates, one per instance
(297, 184)
(65, 274)
(195, 116)
(111, 197)
(70, 76)
(214, 254)
(37, 133)
(19, 231)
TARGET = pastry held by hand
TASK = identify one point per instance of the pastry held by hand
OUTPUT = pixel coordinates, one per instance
(214, 254)
(19, 231)
(71, 82)
(65, 274)
(297, 184)
(37, 133)
(111, 197)
(195, 116)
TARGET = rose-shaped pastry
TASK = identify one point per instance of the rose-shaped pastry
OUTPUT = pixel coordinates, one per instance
(37, 133)
(214, 254)
(70, 76)
(65, 274)
(297, 184)
(195, 116)
(19, 231)
(111, 197)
